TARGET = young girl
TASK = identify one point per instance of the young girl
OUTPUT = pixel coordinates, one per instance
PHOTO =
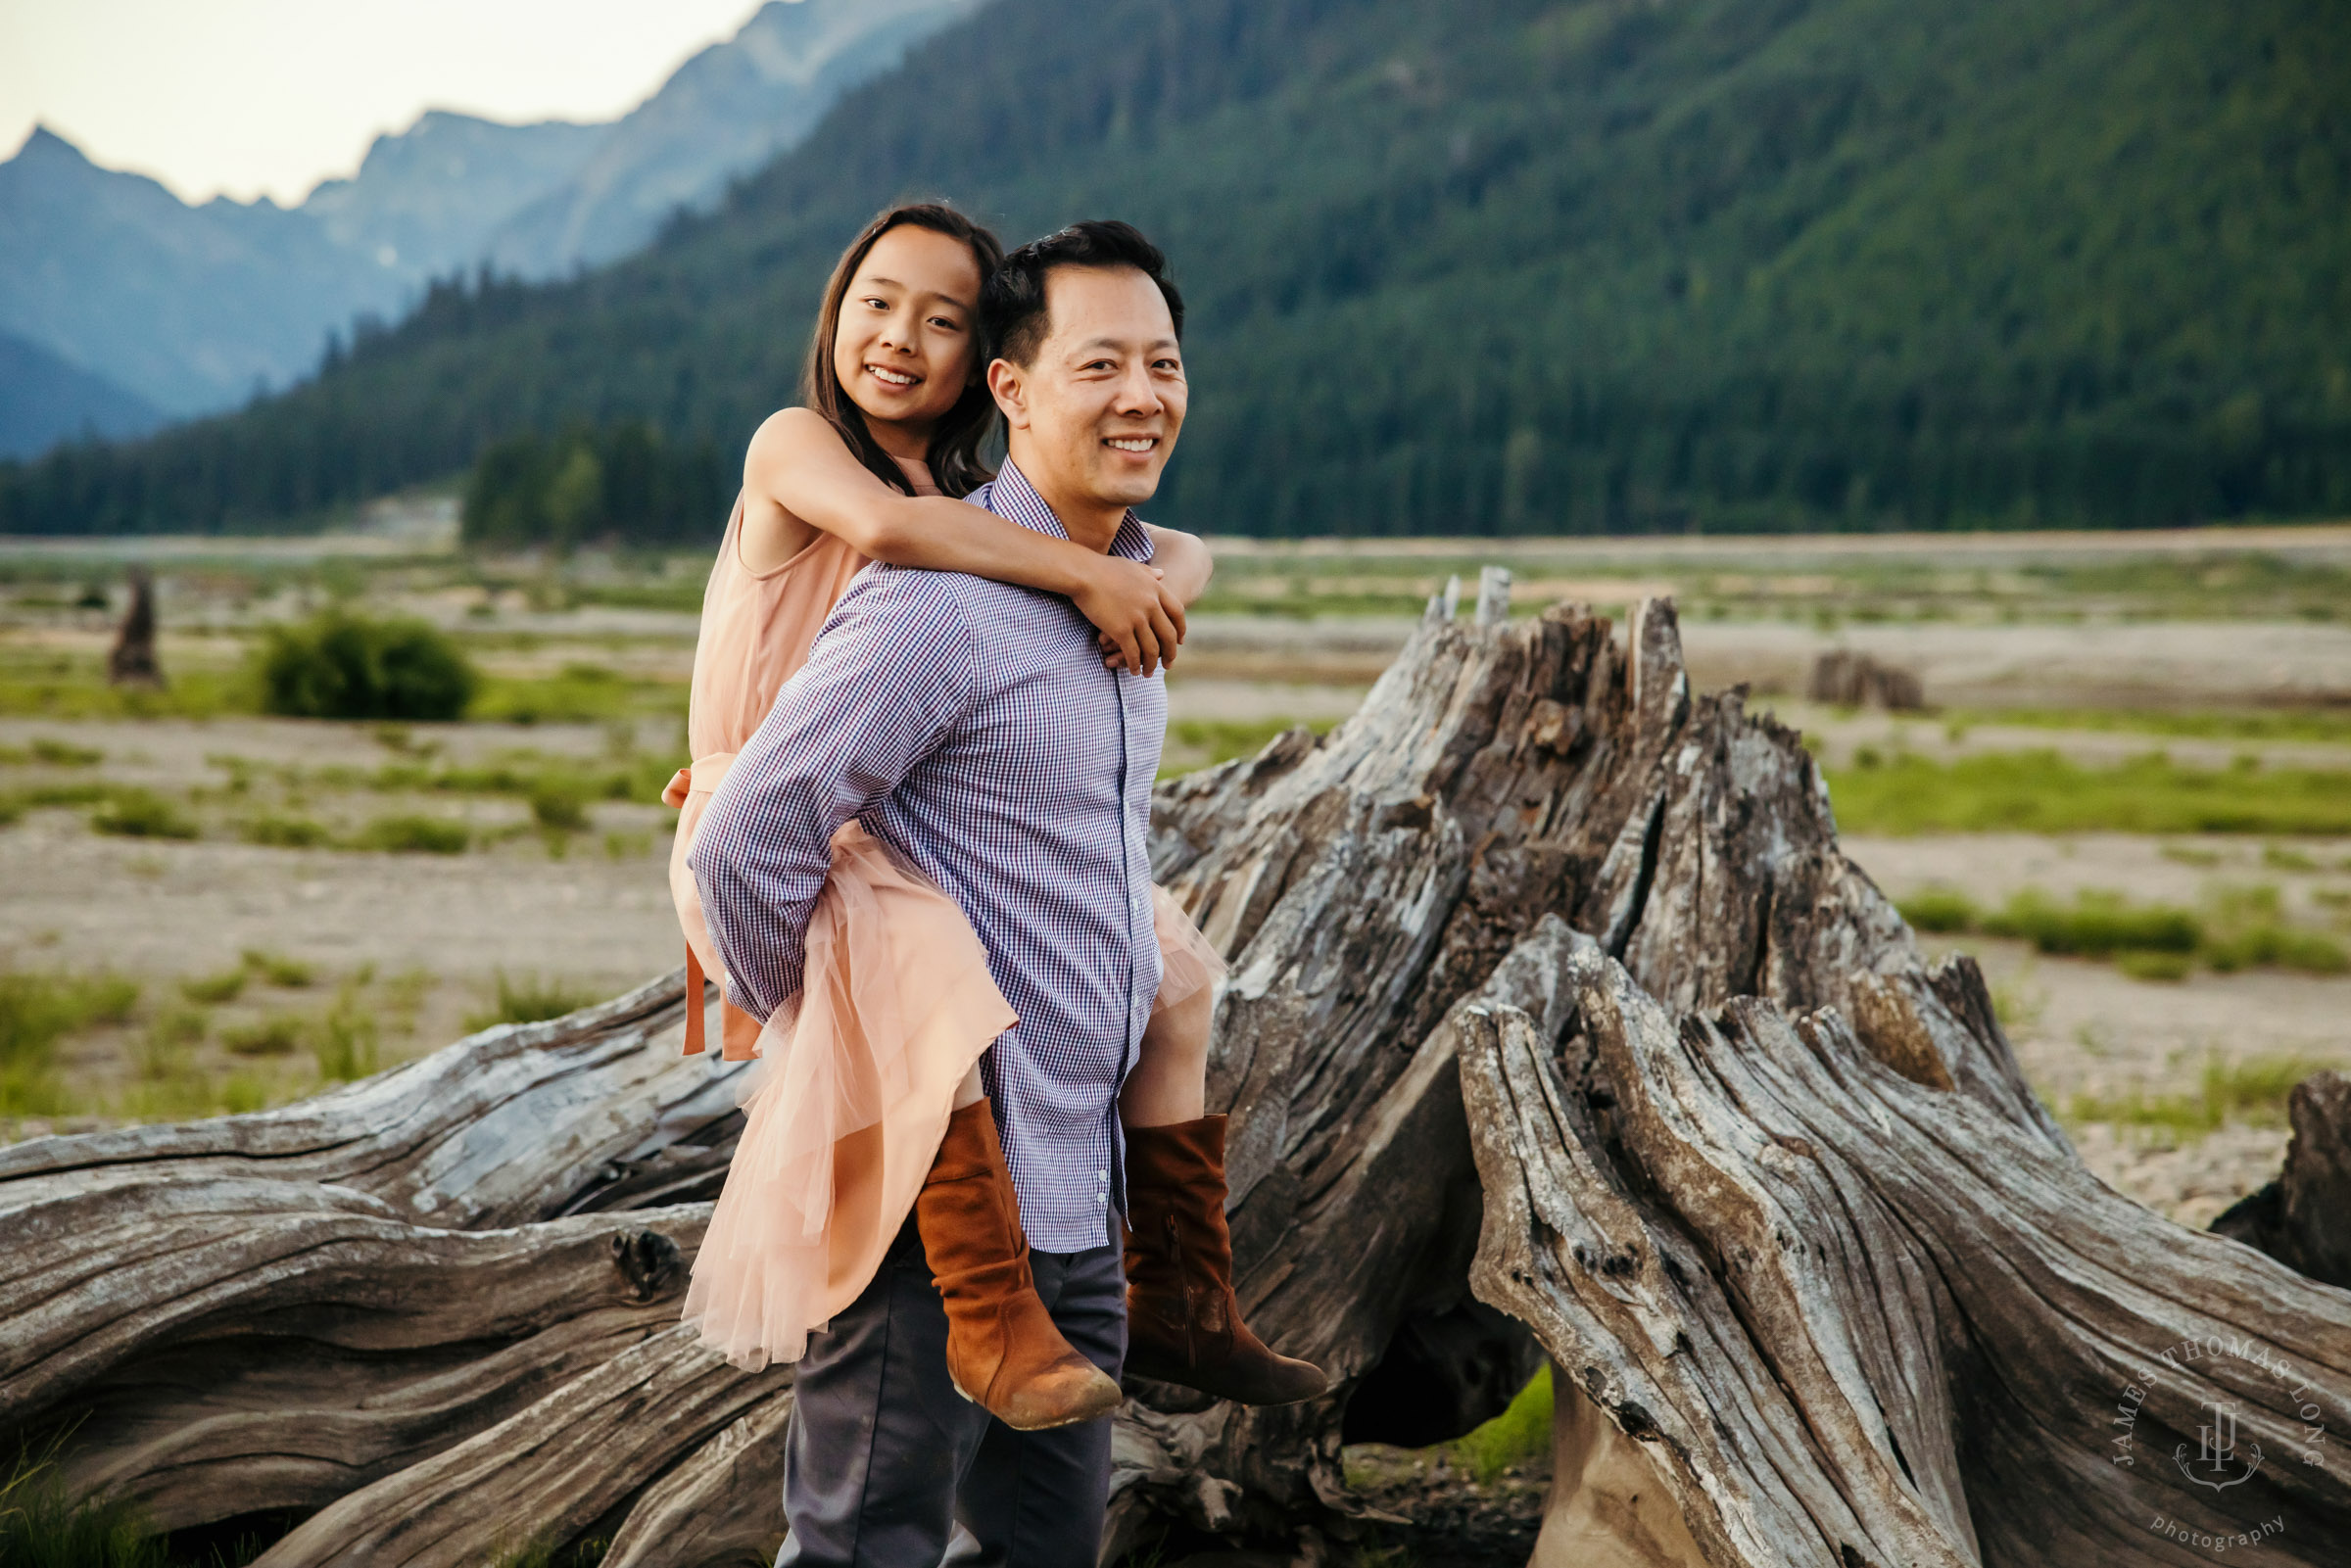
(869, 1103)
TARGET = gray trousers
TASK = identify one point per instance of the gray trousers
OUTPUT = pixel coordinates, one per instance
(886, 1463)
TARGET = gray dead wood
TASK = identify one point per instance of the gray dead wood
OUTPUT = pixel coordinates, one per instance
(1855, 1312)
(1504, 788)
(2303, 1219)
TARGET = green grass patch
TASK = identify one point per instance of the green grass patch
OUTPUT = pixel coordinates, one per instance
(2040, 791)
(37, 1011)
(279, 831)
(46, 684)
(277, 1034)
(1520, 1435)
(214, 989)
(2309, 724)
(2237, 928)
(46, 753)
(2161, 967)
(409, 834)
(540, 1552)
(557, 810)
(279, 970)
(2097, 925)
(344, 1040)
(43, 1525)
(2253, 1090)
(143, 814)
(1194, 744)
(577, 695)
(530, 999)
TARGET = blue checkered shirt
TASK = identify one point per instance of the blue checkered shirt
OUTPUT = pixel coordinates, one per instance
(970, 725)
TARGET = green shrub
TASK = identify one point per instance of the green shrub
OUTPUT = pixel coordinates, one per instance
(532, 1000)
(50, 754)
(142, 814)
(213, 989)
(277, 969)
(2098, 924)
(2153, 965)
(2274, 946)
(282, 833)
(2255, 1090)
(278, 1034)
(338, 665)
(1940, 910)
(558, 810)
(345, 1042)
(412, 834)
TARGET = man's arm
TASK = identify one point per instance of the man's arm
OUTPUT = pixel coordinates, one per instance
(889, 676)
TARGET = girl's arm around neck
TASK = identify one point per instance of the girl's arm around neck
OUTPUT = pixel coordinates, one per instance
(802, 468)
(1186, 560)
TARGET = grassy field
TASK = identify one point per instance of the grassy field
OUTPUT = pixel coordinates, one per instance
(2040, 791)
(321, 898)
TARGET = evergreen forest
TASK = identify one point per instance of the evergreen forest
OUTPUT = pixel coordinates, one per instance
(1533, 267)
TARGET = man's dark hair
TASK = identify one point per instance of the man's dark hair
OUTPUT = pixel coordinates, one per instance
(1012, 305)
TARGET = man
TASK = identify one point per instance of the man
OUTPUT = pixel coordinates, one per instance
(972, 727)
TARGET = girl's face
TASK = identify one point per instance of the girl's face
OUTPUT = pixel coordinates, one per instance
(905, 347)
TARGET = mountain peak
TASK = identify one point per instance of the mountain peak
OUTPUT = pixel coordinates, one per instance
(44, 144)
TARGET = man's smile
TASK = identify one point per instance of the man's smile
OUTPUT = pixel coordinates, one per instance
(1133, 443)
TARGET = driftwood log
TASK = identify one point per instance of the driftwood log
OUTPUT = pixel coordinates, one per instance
(1810, 1319)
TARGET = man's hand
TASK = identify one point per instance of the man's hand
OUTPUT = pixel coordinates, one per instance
(1140, 621)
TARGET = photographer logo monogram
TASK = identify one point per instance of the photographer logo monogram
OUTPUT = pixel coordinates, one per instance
(2223, 1455)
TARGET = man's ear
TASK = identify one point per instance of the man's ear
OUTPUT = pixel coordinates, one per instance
(1008, 384)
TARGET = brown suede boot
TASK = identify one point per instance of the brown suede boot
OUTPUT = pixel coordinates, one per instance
(1003, 1352)
(1182, 1324)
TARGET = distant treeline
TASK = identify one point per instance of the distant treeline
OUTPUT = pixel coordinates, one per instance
(1502, 266)
(621, 482)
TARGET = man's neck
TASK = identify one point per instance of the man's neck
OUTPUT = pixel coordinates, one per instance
(1089, 522)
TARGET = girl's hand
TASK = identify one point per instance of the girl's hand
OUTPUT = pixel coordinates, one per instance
(1141, 623)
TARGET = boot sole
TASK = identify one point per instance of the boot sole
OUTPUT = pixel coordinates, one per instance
(1042, 1426)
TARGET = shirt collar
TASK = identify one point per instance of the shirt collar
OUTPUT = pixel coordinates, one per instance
(1010, 495)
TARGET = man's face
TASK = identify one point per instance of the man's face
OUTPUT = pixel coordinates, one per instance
(1094, 418)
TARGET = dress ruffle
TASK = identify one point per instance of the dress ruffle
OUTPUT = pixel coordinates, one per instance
(846, 1107)
(1186, 962)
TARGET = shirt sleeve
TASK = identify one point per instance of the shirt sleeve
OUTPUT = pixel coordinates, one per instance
(888, 677)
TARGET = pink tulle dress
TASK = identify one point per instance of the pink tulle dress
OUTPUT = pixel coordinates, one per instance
(851, 1095)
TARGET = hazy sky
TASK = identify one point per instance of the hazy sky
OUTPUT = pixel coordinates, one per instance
(253, 96)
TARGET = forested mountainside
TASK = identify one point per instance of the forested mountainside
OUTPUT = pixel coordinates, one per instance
(1507, 264)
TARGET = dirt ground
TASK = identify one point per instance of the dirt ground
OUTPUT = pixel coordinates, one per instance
(2161, 665)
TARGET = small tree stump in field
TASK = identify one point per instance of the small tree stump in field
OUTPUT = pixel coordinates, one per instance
(132, 660)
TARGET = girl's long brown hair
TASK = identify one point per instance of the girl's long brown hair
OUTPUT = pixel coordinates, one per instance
(956, 466)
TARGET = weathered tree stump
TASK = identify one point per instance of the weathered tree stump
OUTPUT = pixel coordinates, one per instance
(1848, 679)
(2303, 1219)
(436, 1312)
(131, 661)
